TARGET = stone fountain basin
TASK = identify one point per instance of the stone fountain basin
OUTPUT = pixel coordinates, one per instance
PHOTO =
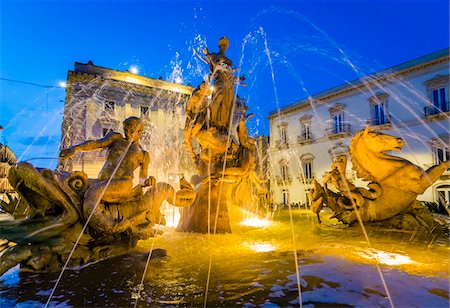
(255, 266)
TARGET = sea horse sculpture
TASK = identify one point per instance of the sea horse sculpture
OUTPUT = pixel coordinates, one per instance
(107, 216)
(394, 185)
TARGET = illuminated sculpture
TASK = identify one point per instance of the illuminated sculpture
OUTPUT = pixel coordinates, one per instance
(225, 165)
(103, 217)
(394, 185)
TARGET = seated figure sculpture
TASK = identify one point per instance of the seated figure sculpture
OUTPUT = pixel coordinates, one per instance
(116, 177)
(108, 215)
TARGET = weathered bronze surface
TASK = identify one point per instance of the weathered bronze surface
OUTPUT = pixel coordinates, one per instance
(394, 185)
(106, 216)
(225, 165)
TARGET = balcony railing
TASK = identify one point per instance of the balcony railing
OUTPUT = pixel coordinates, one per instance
(337, 130)
(386, 120)
(304, 139)
(282, 144)
(307, 180)
(286, 181)
(434, 110)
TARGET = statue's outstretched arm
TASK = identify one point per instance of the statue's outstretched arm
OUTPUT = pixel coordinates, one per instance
(90, 145)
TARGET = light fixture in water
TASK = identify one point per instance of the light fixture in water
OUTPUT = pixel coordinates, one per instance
(256, 222)
(171, 215)
(260, 246)
(387, 258)
(62, 84)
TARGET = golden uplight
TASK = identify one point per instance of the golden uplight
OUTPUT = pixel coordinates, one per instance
(256, 222)
(260, 246)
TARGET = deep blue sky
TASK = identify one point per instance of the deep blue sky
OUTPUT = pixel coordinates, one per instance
(287, 49)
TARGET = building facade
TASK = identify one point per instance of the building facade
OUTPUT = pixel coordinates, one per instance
(410, 100)
(98, 99)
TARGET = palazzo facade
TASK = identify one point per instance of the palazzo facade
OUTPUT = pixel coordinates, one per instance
(409, 100)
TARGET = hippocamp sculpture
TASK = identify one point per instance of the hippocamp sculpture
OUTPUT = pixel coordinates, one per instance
(105, 216)
(394, 185)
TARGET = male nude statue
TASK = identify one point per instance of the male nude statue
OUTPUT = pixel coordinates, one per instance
(124, 156)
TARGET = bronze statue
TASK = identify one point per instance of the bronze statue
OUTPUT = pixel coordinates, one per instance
(107, 215)
(394, 185)
(226, 173)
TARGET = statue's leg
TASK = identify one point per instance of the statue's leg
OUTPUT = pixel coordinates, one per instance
(102, 219)
(118, 190)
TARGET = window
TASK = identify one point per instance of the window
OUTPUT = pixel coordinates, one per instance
(437, 89)
(337, 116)
(305, 128)
(306, 173)
(379, 108)
(285, 196)
(144, 111)
(283, 134)
(439, 98)
(443, 195)
(284, 172)
(441, 154)
(379, 114)
(307, 170)
(109, 107)
(338, 123)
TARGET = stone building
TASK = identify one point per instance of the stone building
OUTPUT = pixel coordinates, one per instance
(98, 99)
(409, 100)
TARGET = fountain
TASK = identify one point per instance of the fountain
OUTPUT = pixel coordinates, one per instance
(76, 221)
(226, 165)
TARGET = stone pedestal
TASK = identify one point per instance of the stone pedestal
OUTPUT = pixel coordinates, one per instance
(195, 217)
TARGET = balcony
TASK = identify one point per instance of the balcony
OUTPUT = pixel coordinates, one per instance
(282, 144)
(341, 131)
(304, 139)
(282, 182)
(380, 123)
(307, 181)
(435, 113)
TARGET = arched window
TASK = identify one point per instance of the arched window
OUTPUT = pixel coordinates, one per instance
(307, 168)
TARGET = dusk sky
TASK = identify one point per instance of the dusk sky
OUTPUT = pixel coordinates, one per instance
(288, 50)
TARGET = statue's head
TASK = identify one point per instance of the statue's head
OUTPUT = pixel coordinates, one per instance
(340, 163)
(223, 43)
(378, 142)
(133, 127)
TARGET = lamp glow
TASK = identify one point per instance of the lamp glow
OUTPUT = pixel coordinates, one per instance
(260, 246)
(133, 70)
(256, 222)
(62, 84)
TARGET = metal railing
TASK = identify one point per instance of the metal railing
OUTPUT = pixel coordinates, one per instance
(432, 110)
(338, 129)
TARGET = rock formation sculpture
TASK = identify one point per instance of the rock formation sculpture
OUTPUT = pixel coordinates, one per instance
(394, 185)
